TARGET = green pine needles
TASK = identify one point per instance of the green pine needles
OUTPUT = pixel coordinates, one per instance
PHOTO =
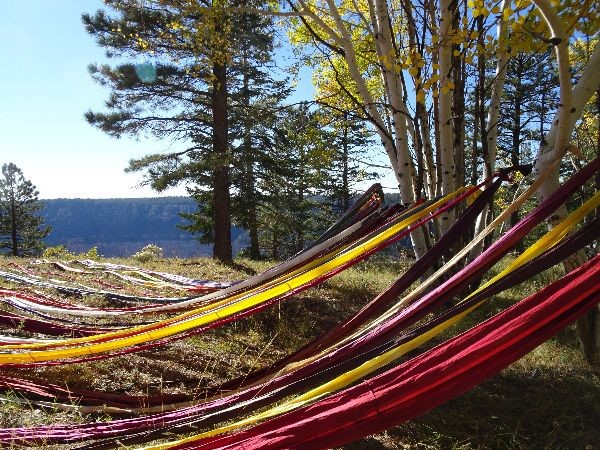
(21, 228)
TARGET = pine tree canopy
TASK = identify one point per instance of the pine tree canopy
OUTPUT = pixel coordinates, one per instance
(21, 228)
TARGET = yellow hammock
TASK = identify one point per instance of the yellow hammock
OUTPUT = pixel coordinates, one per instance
(205, 315)
(547, 241)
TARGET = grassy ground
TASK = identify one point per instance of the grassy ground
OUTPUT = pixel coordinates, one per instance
(548, 399)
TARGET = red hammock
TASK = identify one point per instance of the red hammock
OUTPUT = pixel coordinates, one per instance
(424, 382)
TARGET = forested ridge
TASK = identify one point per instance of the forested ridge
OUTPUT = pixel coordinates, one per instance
(121, 226)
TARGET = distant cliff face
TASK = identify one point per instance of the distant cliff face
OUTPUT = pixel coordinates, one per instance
(121, 227)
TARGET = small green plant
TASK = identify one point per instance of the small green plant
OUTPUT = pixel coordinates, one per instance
(148, 253)
(92, 253)
(58, 251)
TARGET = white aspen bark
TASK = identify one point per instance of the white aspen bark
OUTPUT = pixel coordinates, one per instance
(554, 147)
(588, 327)
(395, 137)
(306, 10)
(583, 91)
(561, 130)
(342, 39)
(547, 155)
(493, 117)
(396, 142)
(391, 74)
(430, 180)
(430, 172)
(394, 90)
(445, 105)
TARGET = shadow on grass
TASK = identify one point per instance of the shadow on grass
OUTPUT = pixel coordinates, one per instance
(353, 296)
(568, 338)
(236, 265)
(366, 444)
(297, 320)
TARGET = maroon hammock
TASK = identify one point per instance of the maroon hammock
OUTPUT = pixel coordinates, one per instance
(75, 432)
(424, 382)
(51, 392)
(135, 428)
(382, 301)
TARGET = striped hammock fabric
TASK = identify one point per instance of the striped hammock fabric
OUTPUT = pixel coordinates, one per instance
(378, 345)
(424, 382)
(225, 405)
(321, 268)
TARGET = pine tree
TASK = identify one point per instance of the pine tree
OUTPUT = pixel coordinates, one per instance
(528, 94)
(21, 228)
(349, 138)
(180, 96)
(200, 62)
(254, 101)
(255, 105)
(291, 215)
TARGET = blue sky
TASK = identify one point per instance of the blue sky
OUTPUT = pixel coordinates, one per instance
(44, 91)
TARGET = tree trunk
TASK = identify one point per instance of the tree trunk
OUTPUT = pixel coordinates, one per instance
(419, 153)
(13, 226)
(430, 169)
(598, 138)
(497, 92)
(445, 106)
(300, 216)
(434, 160)
(458, 105)
(475, 141)
(275, 244)
(396, 147)
(399, 156)
(553, 148)
(588, 327)
(489, 130)
(251, 214)
(221, 182)
(345, 200)
(515, 156)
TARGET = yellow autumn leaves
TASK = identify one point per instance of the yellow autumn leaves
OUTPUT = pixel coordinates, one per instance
(473, 39)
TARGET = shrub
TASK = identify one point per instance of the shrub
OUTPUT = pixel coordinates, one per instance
(92, 253)
(58, 251)
(149, 253)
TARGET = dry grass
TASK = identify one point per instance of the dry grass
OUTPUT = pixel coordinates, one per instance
(548, 399)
